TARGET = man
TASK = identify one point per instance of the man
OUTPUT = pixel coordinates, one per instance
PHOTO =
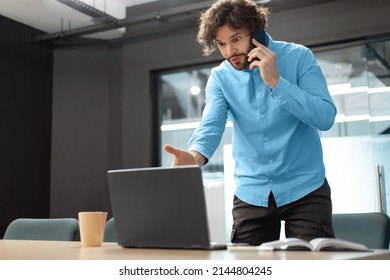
(277, 99)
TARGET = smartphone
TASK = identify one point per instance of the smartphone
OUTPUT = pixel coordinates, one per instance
(259, 36)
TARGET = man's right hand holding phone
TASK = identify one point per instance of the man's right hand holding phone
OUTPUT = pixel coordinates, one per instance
(266, 61)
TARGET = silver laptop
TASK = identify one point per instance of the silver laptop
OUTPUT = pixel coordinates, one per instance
(160, 207)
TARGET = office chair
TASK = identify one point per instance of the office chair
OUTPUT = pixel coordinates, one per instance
(109, 231)
(61, 229)
(370, 229)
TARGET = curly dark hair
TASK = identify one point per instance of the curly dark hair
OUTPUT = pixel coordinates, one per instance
(234, 13)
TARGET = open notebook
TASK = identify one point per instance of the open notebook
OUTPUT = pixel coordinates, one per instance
(160, 207)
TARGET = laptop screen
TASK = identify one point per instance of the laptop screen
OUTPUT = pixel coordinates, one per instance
(159, 207)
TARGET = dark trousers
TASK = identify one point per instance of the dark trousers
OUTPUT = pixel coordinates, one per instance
(307, 218)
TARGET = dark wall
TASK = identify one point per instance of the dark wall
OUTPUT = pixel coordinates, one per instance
(81, 130)
(25, 124)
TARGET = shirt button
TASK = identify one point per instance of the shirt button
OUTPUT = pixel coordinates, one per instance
(266, 139)
(262, 116)
(271, 161)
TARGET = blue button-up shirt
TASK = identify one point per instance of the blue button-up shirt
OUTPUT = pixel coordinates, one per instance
(276, 146)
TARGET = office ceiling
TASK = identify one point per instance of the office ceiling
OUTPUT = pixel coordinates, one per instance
(99, 21)
(114, 19)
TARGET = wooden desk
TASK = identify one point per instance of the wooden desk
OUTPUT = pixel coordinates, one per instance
(62, 250)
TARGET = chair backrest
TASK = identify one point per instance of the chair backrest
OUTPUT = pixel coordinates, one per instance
(370, 229)
(61, 229)
(109, 231)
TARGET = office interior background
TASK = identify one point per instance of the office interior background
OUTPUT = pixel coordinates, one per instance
(86, 90)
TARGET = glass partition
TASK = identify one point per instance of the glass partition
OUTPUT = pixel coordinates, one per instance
(378, 67)
(347, 146)
(182, 102)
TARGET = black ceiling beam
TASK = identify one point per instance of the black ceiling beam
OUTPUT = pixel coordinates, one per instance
(91, 11)
(156, 16)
